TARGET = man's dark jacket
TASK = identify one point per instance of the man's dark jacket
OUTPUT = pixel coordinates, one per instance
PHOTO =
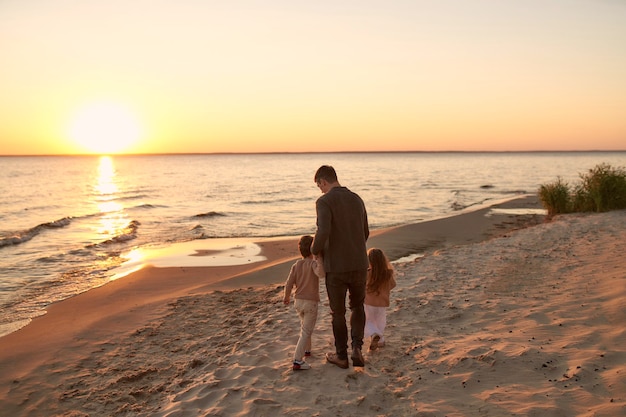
(342, 231)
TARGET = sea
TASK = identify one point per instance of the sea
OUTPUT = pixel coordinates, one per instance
(69, 223)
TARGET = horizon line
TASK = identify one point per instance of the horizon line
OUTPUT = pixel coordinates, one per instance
(303, 153)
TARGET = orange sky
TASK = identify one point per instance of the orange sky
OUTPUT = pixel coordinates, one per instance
(278, 76)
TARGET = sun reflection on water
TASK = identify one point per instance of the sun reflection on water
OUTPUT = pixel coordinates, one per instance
(113, 218)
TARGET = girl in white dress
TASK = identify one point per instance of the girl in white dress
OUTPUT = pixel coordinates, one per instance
(380, 282)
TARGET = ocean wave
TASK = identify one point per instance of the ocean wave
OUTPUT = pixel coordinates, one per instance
(199, 233)
(129, 233)
(145, 206)
(27, 235)
(270, 201)
(210, 214)
(130, 197)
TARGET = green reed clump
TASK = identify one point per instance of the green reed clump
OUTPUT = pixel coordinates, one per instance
(602, 188)
(555, 197)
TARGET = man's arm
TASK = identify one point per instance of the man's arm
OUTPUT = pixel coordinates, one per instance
(323, 227)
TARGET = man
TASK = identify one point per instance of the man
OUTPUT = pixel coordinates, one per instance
(342, 231)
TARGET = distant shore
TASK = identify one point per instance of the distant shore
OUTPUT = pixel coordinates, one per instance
(318, 153)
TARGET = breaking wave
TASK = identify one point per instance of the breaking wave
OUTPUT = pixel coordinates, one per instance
(128, 233)
(26, 235)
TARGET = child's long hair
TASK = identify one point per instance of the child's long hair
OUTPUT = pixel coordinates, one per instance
(380, 270)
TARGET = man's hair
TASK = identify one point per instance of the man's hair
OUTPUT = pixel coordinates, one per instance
(326, 172)
(305, 245)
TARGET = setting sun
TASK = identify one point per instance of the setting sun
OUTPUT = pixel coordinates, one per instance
(104, 128)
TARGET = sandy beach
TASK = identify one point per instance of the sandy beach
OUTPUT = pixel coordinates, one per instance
(506, 314)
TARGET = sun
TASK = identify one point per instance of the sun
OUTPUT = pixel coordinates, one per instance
(104, 127)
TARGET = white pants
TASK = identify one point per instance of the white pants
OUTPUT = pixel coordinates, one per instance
(375, 321)
(307, 311)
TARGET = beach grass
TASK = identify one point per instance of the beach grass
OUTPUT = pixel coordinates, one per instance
(602, 188)
(555, 197)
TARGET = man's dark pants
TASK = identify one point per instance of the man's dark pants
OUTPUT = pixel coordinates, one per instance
(338, 284)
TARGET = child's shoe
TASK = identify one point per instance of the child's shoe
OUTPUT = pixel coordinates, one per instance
(376, 343)
(307, 354)
(300, 366)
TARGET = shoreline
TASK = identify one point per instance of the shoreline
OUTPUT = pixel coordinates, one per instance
(237, 252)
(272, 263)
(122, 306)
